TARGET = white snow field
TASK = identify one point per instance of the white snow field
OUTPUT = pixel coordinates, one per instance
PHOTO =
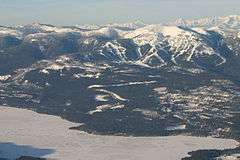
(24, 132)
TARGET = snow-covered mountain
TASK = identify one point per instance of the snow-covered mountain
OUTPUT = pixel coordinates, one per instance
(232, 21)
(153, 45)
(128, 78)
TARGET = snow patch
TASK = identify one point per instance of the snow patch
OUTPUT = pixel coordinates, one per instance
(5, 77)
(178, 127)
(56, 67)
(200, 30)
(171, 31)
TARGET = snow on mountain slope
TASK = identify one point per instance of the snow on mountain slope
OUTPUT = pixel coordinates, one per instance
(182, 41)
(39, 28)
(131, 26)
(109, 32)
(232, 21)
(5, 31)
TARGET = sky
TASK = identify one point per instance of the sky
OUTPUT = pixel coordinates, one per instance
(73, 12)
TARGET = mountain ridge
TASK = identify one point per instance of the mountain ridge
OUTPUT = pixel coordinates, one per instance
(179, 38)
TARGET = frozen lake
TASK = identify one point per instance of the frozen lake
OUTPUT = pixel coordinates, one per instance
(24, 132)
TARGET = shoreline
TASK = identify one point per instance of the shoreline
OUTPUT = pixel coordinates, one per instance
(28, 133)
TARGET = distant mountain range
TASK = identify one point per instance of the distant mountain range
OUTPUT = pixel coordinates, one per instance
(128, 79)
(151, 45)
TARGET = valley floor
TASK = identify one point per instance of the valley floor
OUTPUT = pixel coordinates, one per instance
(26, 133)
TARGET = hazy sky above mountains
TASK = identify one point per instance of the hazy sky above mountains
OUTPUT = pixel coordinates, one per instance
(71, 12)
